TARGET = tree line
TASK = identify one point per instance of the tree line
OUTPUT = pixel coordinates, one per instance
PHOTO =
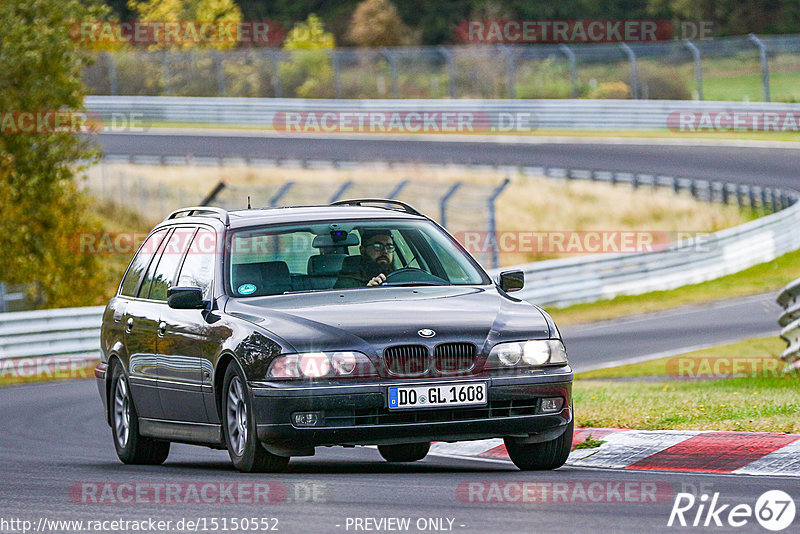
(426, 22)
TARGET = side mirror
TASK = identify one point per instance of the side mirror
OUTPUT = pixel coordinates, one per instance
(511, 281)
(185, 298)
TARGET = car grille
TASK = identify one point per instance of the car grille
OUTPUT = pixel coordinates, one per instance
(454, 357)
(412, 360)
(374, 416)
(406, 360)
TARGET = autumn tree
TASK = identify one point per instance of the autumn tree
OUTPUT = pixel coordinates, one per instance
(220, 11)
(42, 210)
(309, 71)
(377, 23)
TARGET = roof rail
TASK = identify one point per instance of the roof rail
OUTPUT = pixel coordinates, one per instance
(361, 201)
(201, 211)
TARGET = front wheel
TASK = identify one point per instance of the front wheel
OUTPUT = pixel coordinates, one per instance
(541, 456)
(246, 452)
(405, 452)
(132, 447)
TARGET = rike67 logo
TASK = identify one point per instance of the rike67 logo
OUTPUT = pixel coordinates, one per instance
(774, 510)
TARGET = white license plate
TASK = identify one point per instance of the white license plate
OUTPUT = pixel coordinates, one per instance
(434, 396)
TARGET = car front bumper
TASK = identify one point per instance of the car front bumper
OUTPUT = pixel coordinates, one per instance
(357, 413)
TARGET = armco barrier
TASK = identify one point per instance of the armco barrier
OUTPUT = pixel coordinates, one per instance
(58, 335)
(555, 114)
(789, 299)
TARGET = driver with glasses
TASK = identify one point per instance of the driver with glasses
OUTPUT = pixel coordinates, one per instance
(375, 262)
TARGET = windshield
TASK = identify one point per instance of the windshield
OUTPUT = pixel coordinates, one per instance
(272, 260)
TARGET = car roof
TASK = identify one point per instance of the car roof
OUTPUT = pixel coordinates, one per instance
(254, 217)
(244, 218)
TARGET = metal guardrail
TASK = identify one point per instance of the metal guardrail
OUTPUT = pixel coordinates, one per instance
(574, 280)
(789, 299)
(490, 115)
(65, 335)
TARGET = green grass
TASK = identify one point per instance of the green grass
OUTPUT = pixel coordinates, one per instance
(784, 87)
(761, 278)
(759, 399)
(588, 443)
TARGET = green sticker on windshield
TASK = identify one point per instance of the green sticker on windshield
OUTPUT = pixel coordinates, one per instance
(246, 289)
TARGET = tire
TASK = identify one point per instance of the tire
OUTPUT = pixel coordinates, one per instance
(405, 452)
(541, 456)
(239, 428)
(132, 447)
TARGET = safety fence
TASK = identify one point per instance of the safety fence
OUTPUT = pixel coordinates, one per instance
(458, 205)
(790, 323)
(727, 68)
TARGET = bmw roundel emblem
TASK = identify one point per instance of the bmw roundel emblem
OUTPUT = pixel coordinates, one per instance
(426, 332)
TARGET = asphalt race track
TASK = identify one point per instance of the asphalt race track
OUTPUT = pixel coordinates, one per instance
(670, 332)
(762, 166)
(55, 445)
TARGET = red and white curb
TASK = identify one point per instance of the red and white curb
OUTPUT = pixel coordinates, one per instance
(747, 453)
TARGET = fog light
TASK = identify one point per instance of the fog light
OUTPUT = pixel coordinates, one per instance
(551, 404)
(306, 418)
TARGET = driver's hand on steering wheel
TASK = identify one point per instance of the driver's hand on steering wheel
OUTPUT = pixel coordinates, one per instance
(378, 280)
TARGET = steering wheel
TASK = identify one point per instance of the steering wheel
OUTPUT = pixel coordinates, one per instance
(412, 274)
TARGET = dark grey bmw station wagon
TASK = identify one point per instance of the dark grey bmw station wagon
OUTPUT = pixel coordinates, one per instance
(270, 332)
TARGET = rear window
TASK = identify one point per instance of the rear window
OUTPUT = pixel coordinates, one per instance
(171, 257)
(140, 262)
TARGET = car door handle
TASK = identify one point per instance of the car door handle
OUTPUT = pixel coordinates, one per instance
(129, 325)
(162, 328)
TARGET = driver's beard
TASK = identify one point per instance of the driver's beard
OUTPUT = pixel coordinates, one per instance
(384, 268)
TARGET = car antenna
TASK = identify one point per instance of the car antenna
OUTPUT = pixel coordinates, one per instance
(248, 201)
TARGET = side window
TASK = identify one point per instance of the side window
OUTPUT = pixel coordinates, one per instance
(171, 257)
(293, 247)
(198, 268)
(140, 263)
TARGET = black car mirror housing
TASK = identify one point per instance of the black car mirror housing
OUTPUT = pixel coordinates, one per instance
(511, 281)
(185, 298)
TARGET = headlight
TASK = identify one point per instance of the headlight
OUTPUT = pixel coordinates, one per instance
(321, 365)
(527, 354)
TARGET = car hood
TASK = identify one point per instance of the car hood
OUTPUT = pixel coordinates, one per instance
(367, 319)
